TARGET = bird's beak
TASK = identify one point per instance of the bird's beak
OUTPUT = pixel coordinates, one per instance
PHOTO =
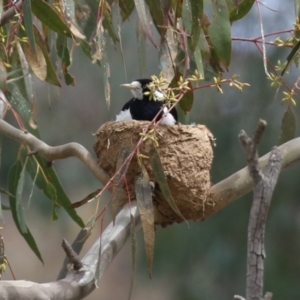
(128, 86)
(133, 85)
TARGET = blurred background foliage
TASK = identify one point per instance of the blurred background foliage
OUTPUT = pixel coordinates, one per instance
(205, 260)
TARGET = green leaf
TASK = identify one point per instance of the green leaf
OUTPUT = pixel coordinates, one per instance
(202, 43)
(186, 15)
(64, 54)
(3, 76)
(36, 172)
(121, 169)
(49, 17)
(28, 22)
(288, 126)
(108, 24)
(101, 54)
(196, 10)
(106, 76)
(36, 61)
(143, 18)
(219, 32)
(141, 38)
(241, 9)
(47, 181)
(178, 10)
(230, 5)
(86, 48)
(159, 11)
(1, 136)
(291, 56)
(133, 254)
(1, 212)
(175, 79)
(19, 206)
(13, 178)
(297, 15)
(162, 181)
(51, 74)
(27, 80)
(20, 104)
(186, 103)
(86, 16)
(143, 194)
(167, 54)
(126, 7)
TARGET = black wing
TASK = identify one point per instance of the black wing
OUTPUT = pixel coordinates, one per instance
(145, 110)
(127, 104)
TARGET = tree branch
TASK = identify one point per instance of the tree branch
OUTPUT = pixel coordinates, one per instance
(263, 187)
(113, 238)
(79, 283)
(53, 153)
(72, 255)
(77, 245)
(221, 194)
(240, 183)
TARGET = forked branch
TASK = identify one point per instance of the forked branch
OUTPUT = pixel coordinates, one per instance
(263, 187)
(78, 283)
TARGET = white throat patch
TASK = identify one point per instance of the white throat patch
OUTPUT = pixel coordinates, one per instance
(137, 91)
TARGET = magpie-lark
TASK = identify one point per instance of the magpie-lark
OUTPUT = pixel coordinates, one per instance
(141, 108)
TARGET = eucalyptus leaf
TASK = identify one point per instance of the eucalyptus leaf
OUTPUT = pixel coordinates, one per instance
(133, 254)
(64, 54)
(196, 10)
(51, 76)
(127, 7)
(162, 181)
(288, 126)
(19, 195)
(121, 169)
(13, 178)
(48, 16)
(143, 194)
(28, 22)
(240, 10)
(220, 32)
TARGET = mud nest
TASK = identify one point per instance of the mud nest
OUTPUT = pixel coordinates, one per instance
(186, 155)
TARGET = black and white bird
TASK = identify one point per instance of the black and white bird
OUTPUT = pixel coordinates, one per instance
(141, 108)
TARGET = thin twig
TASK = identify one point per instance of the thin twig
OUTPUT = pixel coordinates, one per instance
(9, 14)
(77, 245)
(72, 255)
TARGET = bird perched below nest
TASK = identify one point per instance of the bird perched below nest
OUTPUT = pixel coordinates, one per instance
(186, 155)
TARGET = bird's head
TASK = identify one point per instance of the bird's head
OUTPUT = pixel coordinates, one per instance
(138, 87)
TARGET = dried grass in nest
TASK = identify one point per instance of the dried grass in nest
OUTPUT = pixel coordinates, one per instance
(186, 155)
